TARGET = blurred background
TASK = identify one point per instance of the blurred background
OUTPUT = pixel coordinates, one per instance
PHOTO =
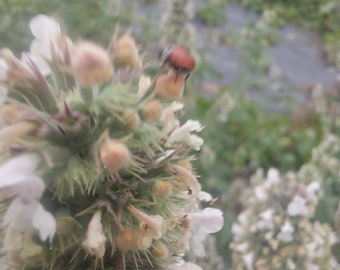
(266, 86)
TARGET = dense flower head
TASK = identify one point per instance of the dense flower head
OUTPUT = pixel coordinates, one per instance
(276, 231)
(95, 173)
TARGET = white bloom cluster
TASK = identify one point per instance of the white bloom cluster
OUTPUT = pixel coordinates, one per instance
(275, 230)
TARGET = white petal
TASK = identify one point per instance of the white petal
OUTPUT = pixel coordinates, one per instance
(45, 223)
(210, 220)
(95, 238)
(195, 142)
(273, 177)
(205, 196)
(18, 169)
(248, 260)
(297, 207)
(33, 187)
(43, 27)
(38, 52)
(20, 213)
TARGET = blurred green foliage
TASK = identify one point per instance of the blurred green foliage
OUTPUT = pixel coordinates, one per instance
(322, 16)
(90, 19)
(213, 15)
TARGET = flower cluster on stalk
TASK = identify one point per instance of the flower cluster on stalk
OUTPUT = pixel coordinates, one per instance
(276, 230)
(94, 173)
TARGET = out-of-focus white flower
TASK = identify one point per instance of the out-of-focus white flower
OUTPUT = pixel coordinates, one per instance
(248, 260)
(182, 265)
(44, 222)
(18, 169)
(209, 220)
(312, 189)
(27, 59)
(183, 134)
(266, 220)
(205, 196)
(286, 232)
(46, 31)
(25, 212)
(273, 177)
(168, 117)
(242, 247)
(260, 193)
(291, 265)
(311, 266)
(95, 238)
(297, 207)
(143, 85)
(237, 230)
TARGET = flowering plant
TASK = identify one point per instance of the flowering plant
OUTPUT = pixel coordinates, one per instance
(275, 231)
(95, 168)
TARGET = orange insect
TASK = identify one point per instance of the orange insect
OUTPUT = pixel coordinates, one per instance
(178, 58)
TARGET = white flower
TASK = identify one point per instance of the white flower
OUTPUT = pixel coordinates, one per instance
(209, 220)
(248, 260)
(25, 213)
(260, 193)
(311, 266)
(266, 220)
(95, 238)
(286, 232)
(183, 134)
(205, 196)
(291, 265)
(18, 169)
(312, 191)
(273, 177)
(46, 31)
(168, 117)
(242, 247)
(297, 207)
(27, 59)
(237, 230)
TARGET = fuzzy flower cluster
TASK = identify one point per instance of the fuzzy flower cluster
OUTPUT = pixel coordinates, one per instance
(275, 230)
(94, 172)
(325, 164)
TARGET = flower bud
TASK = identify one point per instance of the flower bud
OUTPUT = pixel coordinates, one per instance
(170, 85)
(91, 64)
(113, 154)
(95, 240)
(126, 53)
(132, 119)
(160, 251)
(152, 110)
(162, 189)
(127, 239)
